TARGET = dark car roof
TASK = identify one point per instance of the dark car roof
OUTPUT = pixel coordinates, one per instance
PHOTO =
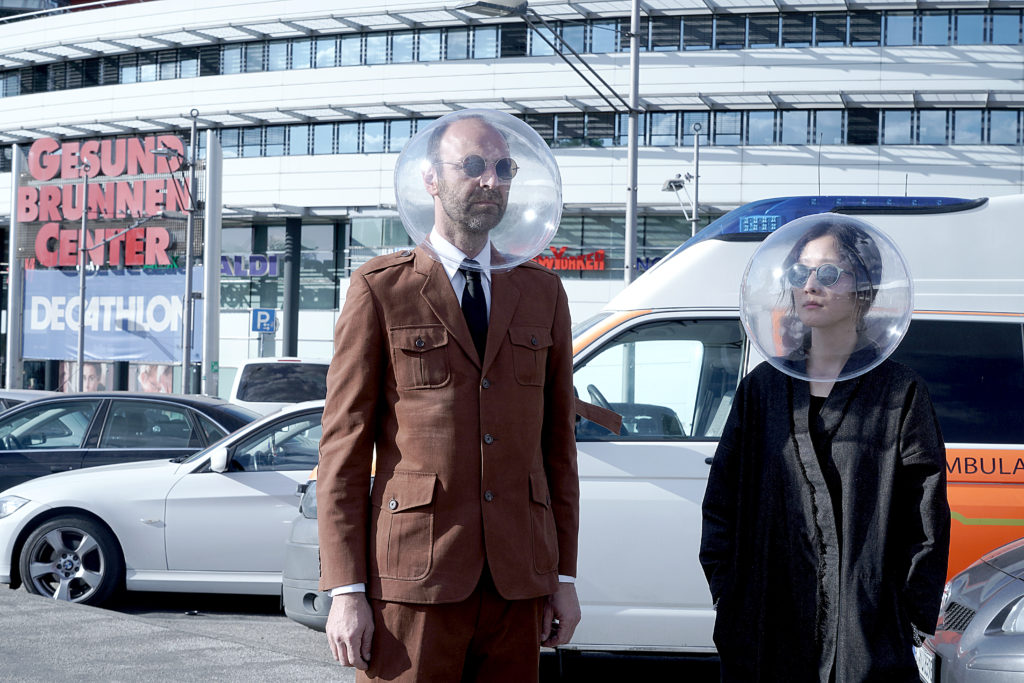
(231, 416)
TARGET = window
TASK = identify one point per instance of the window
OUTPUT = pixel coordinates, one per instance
(231, 60)
(485, 42)
(1005, 26)
(1002, 127)
(348, 138)
(830, 29)
(974, 373)
(376, 48)
(351, 50)
(865, 29)
(797, 30)
(212, 430)
(671, 380)
(254, 58)
(970, 27)
(275, 141)
(326, 52)
(323, 138)
(730, 32)
(897, 128)
(457, 43)
(147, 67)
(252, 142)
(728, 128)
(604, 36)
(569, 130)
(318, 274)
(760, 127)
(302, 51)
(399, 132)
(188, 62)
(862, 127)
(48, 426)
(144, 424)
(899, 28)
(277, 55)
(763, 30)
(430, 46)
(932, 128)
(129, 68)
(794, 127)
(513, 41)
(663, 128)
(665, 34)
(402, 46)
(574, 36)
(541, 41)
(697, 33)
(373, 137)
(168, 65)
(229, 142)
(288, 445)
(600, 129)
(689, 119)
(934, 28)
(828, 127)
(298, 139)
(967, 126)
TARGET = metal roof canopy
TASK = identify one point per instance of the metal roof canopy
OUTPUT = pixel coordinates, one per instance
(435, 17)
(171, 122)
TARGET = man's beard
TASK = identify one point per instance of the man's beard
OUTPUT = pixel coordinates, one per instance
(458, 209)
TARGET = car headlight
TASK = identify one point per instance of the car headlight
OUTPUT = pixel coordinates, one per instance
(307, 504)
(1014, 622)
(9, 504)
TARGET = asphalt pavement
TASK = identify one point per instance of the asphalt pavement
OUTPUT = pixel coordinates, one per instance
(46, 640)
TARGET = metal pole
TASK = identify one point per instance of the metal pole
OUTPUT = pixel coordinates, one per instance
(84, 167)
(634, 101)
(696, 179)
(186, 311)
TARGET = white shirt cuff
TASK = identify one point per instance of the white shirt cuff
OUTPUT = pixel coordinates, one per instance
(351, 588)
(566, 579)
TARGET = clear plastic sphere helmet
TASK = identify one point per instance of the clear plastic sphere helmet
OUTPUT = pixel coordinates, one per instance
(826, 297)
(478, 171)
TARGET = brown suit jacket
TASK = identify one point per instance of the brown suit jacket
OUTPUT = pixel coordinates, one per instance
(474, 461)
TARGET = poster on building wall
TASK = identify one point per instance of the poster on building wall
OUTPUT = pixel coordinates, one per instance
(130, 315)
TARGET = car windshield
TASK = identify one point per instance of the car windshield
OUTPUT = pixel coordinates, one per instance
(283, 382)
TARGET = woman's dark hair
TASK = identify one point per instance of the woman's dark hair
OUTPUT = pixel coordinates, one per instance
(857, 248)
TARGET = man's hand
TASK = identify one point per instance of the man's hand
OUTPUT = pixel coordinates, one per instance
(561, 615)
(350, 629)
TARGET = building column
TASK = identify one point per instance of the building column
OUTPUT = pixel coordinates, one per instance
(292, 267)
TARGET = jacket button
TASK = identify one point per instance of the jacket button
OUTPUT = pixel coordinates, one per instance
(419, 343)
(533, 340)
(393, 504)
(488, 496)
(486, 384)
(488, 439)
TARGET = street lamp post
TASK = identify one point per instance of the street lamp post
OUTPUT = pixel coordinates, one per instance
(84, 167)
(521, 8)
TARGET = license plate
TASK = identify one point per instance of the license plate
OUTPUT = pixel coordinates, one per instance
(925, 664)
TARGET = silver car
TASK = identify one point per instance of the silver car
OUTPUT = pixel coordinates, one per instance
(980, 635)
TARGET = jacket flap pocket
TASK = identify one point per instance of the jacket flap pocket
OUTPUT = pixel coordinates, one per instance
(407, 490)
(418, 338)
(539, 489)
(530, 337)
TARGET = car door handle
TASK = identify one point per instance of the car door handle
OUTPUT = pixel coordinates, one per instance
(708, 460)
(61, 468)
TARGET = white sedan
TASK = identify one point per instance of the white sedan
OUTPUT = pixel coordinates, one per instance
(215, 522)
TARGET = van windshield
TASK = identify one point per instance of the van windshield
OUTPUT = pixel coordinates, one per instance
(283, 382)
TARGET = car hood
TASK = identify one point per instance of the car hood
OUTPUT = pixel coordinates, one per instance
(95, 481)
(1008, 558)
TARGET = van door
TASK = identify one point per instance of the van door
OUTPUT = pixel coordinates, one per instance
(672, 378)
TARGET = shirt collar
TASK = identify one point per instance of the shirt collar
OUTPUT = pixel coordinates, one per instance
(451, 257)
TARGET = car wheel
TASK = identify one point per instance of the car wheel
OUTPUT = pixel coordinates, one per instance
(73, 559)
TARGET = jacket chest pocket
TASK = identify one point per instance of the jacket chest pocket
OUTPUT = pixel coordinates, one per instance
(420, 356)
(403, 513)
(530, 353)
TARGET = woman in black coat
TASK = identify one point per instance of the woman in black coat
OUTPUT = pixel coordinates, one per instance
(826, 526)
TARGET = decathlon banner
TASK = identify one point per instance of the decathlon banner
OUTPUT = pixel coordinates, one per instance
(130, 315)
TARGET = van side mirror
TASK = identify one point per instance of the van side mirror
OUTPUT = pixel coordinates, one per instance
(219, 459)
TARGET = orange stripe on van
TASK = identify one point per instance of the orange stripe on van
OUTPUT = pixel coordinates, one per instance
(984, 517)
(596, 331)
(985, 465)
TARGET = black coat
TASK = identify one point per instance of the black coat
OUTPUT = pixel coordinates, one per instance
(800, 589)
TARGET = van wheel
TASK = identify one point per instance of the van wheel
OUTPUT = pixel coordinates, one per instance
(73, 559)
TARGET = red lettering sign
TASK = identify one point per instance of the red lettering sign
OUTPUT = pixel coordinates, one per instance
(559, 261)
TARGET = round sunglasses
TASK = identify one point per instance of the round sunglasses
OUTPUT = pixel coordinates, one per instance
(474, 166)
(827, 274)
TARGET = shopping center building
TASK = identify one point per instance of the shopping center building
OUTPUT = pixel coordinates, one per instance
(312, 100)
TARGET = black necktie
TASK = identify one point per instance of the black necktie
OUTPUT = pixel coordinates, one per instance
(474, 306)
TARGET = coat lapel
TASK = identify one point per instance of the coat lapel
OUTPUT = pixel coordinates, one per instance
(439, 295)
(504, 299)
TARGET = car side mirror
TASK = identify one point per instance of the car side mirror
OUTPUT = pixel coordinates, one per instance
(219, 459)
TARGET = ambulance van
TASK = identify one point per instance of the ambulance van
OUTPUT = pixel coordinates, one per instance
(668, 353)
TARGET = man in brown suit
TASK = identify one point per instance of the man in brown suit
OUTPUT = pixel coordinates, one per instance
(466, 543)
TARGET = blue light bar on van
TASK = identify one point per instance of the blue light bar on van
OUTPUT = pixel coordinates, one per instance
(758, 219)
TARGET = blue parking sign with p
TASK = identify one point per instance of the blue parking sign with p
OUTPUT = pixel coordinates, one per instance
(263, 320)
